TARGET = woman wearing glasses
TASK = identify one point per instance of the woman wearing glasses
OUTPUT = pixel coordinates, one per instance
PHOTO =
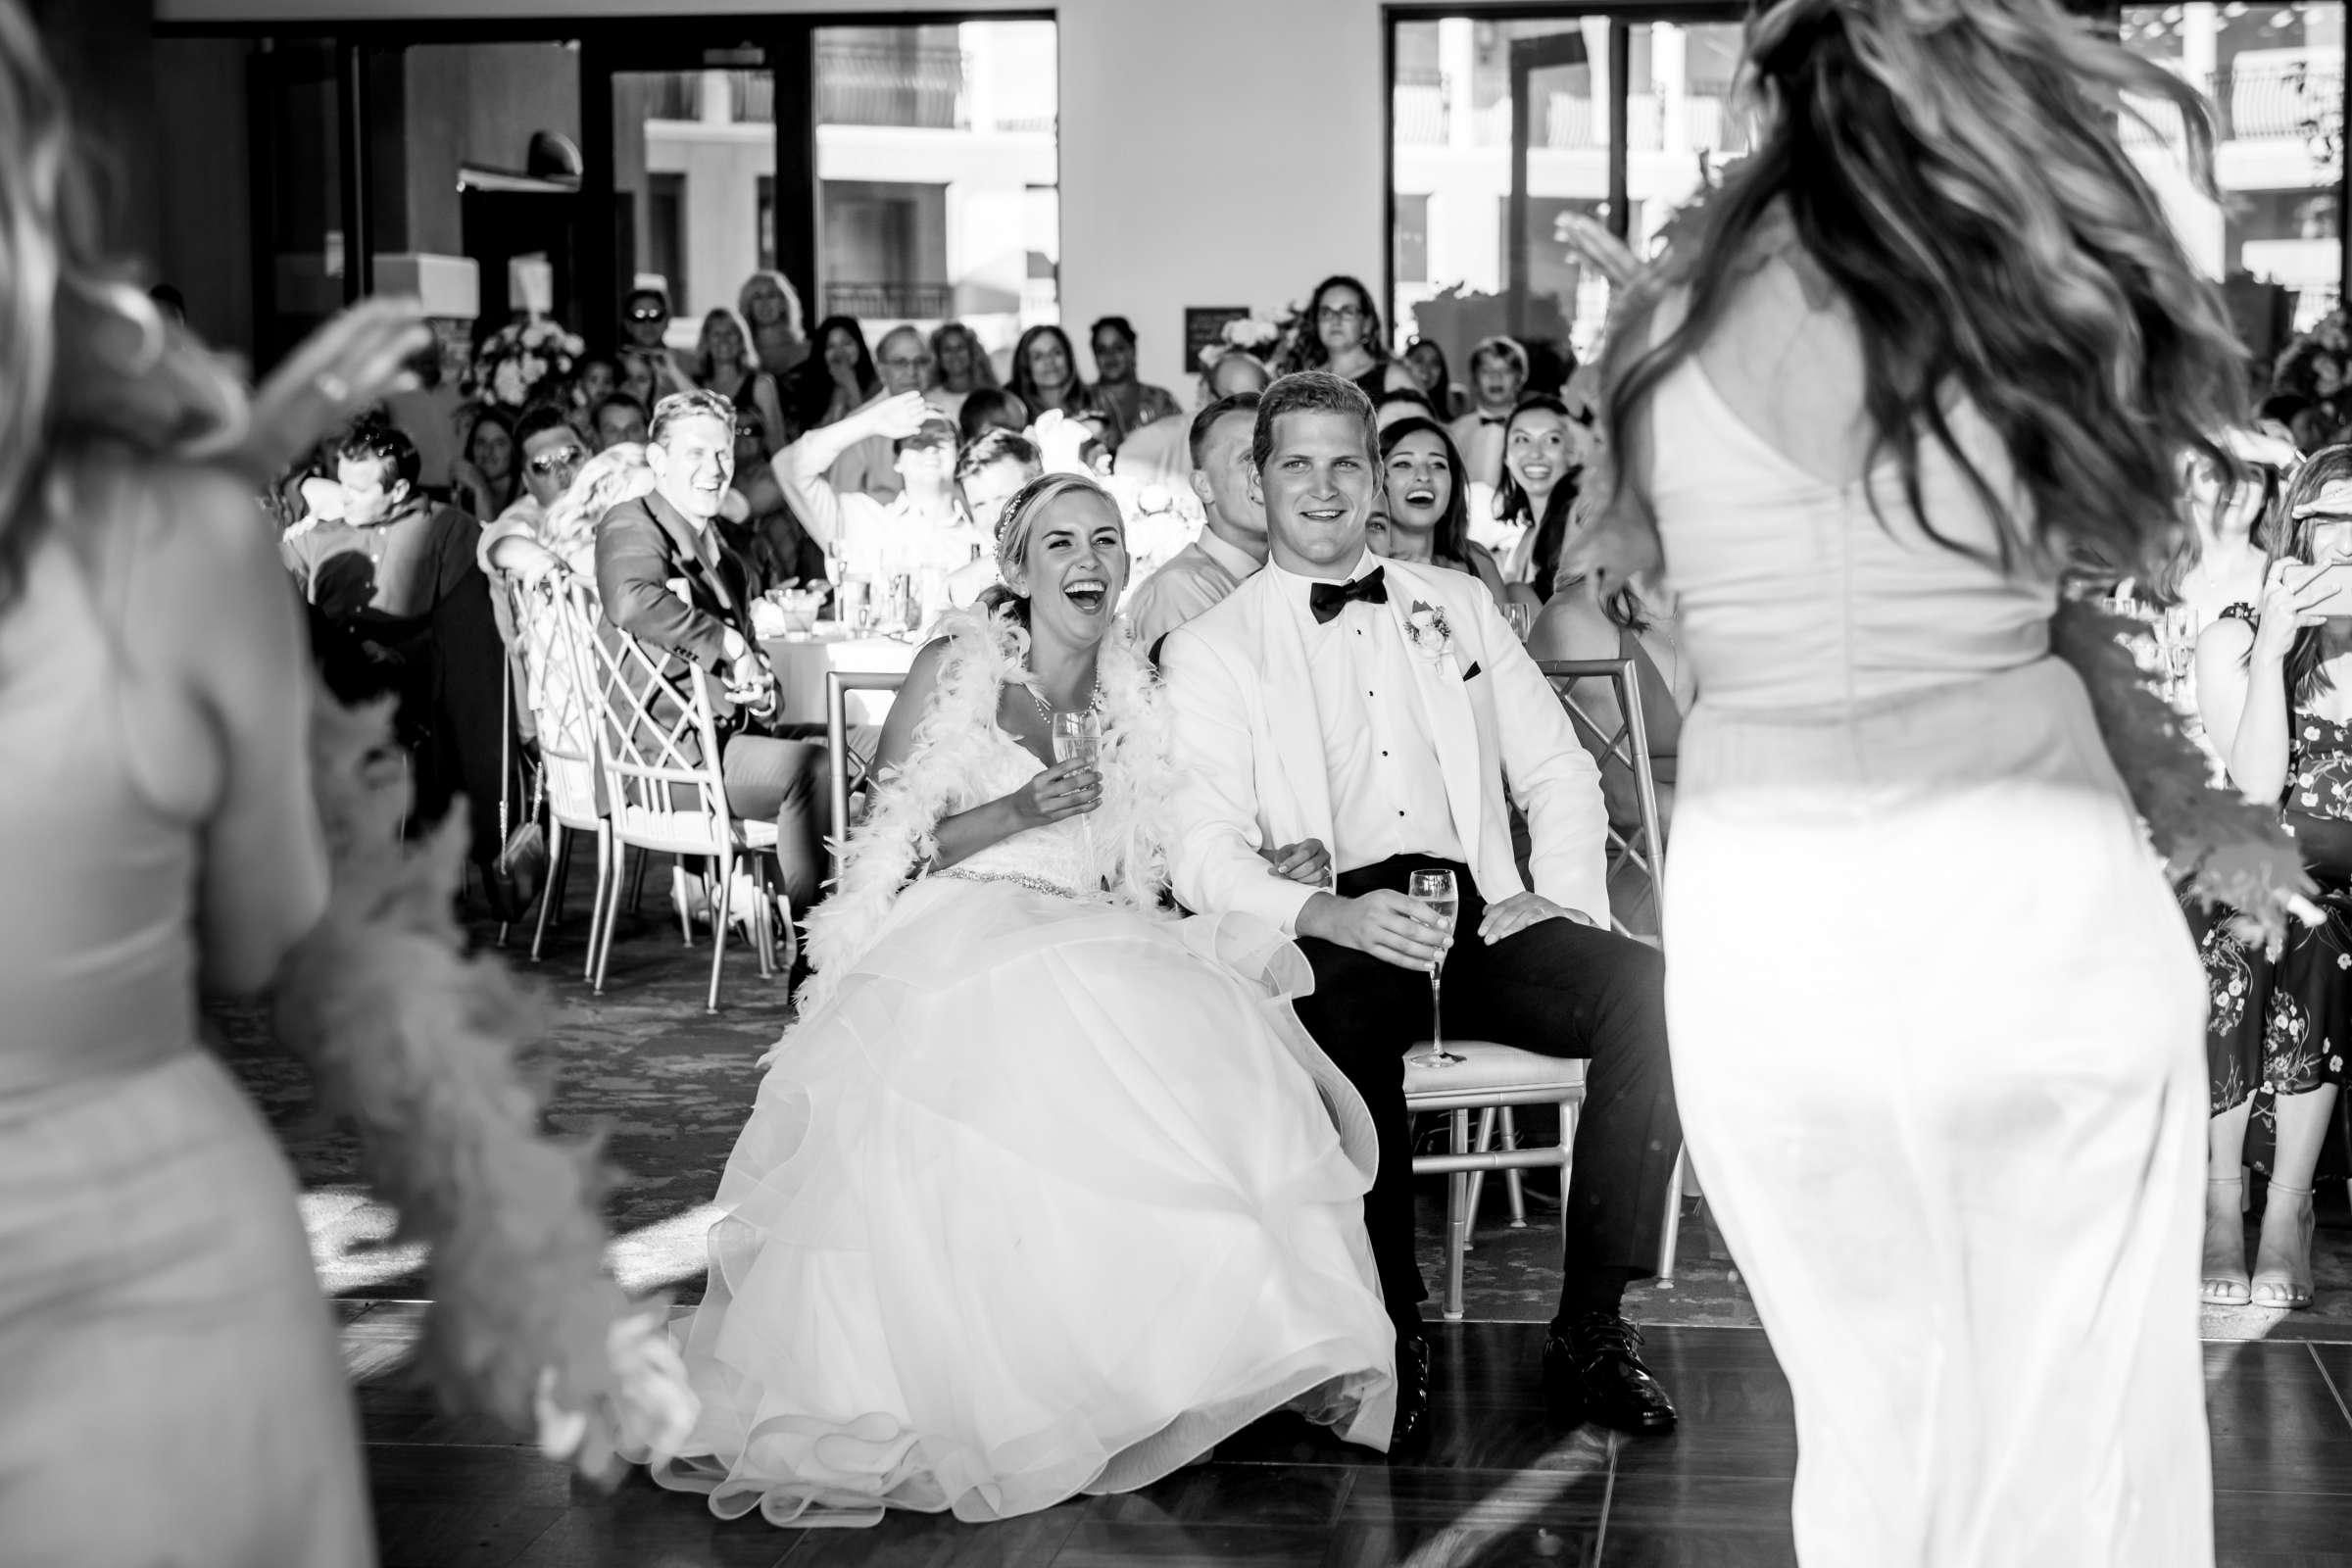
(644, 322)
(1341, 333)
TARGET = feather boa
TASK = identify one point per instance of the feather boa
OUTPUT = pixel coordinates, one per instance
(415, 1044)
(898, 837)
(2225, 849)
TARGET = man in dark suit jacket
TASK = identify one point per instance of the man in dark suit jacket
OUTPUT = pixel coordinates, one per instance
(670, 580)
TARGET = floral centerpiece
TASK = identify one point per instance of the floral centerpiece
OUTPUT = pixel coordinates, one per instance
(522, 364)
(1265, 339)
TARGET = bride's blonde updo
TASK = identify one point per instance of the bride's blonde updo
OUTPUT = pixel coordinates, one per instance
(1019, 523)
(85, 359)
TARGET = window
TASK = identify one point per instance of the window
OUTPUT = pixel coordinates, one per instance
(2275, 78)
(1485, 216)
(937, 167)
(665, 239)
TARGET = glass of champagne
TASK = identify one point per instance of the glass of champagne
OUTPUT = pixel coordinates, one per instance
(1436, 891)
(1079, 735)
(1520, 617)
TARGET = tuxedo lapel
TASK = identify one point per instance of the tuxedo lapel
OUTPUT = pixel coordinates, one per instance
(1290, 711)
(1446, 702)
(688, 542)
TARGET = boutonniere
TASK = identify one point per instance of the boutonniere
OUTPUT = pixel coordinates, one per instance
(1431, 633)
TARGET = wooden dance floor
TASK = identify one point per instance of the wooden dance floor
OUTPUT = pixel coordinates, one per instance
(1496, 1485)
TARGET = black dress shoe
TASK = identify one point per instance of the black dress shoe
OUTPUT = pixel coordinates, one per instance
(1593, 1372)
(1412, 1431)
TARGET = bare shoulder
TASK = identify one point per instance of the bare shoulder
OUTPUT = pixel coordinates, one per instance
(1573, 625)
(2228, 638)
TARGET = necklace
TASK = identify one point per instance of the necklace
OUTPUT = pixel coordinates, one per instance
(1046, 710)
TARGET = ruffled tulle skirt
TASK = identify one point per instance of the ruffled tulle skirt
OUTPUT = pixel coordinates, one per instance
(1045, 1199)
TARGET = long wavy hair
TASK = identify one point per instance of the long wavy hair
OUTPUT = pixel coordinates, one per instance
(984, 374)
(88, 367)
(2283, 537)
(1080, 399)
(1512, 502)
(1956, 169)
(1307, 352)
(614, 476)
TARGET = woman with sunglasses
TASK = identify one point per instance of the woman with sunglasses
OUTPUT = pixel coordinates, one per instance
(644, 355)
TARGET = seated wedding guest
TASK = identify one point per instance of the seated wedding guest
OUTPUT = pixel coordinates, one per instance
(959, 366)
(595, 378)
(618, 420)
(565, 535)
(1342, 334)
(550, 460)
(1044, 375)
(2307, 423)
(1301, 710)
(1425, 361)
(771, 306)
(1162, 451)
(1544, 451)
(399, 607)
(870, 467)
(916, 1299)
(1429, 504)
(2275, 689)
(1232, 544)
(1130, 403)
(485, 475)
(668, 536)
(724, 363)
(922, 534)
(1635, 624)
(2220, 561)
(990, 408)
(989, 473)
(769, 537)
(1497, 380)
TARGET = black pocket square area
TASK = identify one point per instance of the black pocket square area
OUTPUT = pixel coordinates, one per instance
(1472, 673)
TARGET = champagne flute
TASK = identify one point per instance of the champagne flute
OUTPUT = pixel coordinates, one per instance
(1079, 735)
(1520, 617)
(1436, 891)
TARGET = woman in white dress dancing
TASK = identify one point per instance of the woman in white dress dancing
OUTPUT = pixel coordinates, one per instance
(1048, 1191)
(1935, 1019)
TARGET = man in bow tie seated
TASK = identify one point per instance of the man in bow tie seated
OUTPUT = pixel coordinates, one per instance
(669, 579)
(1383, 710)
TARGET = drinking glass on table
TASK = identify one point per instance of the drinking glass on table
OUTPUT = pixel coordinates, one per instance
(1436, 891)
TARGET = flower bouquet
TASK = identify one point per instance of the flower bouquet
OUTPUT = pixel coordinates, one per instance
(522, 364)
(1267, 340)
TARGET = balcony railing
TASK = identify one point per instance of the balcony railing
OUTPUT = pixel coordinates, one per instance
(860, 84)
(891, 301)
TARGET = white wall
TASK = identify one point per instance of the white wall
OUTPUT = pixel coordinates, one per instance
(1213, 152)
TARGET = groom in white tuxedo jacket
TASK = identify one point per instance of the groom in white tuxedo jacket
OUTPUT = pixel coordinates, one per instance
(1384, 709)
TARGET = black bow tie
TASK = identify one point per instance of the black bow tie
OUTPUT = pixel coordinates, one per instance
(1486, 420)
(1328, 599)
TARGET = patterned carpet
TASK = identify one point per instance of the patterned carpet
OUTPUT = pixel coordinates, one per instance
(670, 1085)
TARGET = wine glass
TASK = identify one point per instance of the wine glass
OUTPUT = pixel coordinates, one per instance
(1520, 617)
(1436, 890)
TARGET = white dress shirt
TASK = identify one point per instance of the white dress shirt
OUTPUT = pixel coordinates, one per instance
(1388, 792)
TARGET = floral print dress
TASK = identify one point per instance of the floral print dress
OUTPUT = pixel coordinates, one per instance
(2279, 1022)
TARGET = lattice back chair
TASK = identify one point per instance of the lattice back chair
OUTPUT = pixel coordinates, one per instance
(1496, 1078)
(846, 772)
(548, 615)
(657, 749)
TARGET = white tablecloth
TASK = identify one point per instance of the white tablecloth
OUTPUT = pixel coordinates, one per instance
(801, 663)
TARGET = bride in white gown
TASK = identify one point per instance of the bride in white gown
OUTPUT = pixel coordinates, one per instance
(1047, 1192)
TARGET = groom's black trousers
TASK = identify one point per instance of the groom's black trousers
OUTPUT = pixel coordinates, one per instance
(1559, 988)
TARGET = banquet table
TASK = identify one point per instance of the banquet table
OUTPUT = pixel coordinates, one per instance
(803, 659)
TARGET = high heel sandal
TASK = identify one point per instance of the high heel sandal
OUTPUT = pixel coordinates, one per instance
(2288, 1288)
(2225, 1287)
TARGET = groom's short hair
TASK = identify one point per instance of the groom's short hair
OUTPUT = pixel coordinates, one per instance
(1310, 392)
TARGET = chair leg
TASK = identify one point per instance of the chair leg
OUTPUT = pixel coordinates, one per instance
(1568, 1113)
(680, 882)
(1513, 1185)
(1478, 1178)
(1674, 1222)
(718, 925)
(603, 960)
(598, 915)
(763, 920)
(553, 893)
(637, 888)
(1458, 1223)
